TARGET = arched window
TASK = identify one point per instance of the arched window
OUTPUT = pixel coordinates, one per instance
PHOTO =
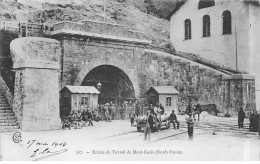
(206, 3)
(187, 26)
(226, 22)
(206, 25)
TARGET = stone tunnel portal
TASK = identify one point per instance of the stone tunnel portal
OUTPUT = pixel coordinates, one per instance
(116, 85)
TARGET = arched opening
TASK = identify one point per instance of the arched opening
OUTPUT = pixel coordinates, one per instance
(187, 29)
(116, 85)
(206, 26)
(226, 22)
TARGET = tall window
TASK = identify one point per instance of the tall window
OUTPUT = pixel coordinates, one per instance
(226, 22)
(206, 26)
(168, 101)
(187, 27)
(206, 3)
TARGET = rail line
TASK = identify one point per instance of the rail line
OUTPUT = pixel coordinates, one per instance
(218, 127)
(120, 134)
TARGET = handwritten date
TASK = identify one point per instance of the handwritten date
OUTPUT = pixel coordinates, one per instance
(43, 150)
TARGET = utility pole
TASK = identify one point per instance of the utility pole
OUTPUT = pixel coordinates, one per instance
(236, 48)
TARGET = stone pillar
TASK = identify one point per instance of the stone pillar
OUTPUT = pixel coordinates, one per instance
(240, 93)
(36, 95)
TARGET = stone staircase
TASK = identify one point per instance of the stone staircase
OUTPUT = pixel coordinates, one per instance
(7, 119)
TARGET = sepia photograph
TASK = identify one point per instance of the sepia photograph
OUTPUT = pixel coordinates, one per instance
(129, 80)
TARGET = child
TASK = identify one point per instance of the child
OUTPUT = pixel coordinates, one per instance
(132, 117)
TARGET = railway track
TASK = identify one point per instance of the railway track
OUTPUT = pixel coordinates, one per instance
(214, 127)
(120, 134)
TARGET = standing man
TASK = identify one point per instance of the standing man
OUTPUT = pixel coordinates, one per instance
(190, 125)
(241, 117)
(132, 117)
(173, 119)
(252, 124)
(188, 109)
(148, 126)
(197, 111)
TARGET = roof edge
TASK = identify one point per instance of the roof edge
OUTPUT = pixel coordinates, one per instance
(178, 5)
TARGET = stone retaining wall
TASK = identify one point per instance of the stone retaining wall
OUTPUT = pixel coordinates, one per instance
(147, 68)
(36, 94)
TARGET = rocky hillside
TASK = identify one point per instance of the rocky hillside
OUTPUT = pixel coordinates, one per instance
(140, 15)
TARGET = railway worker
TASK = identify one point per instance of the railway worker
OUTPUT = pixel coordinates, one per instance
(241, 117)
(132, 117)
(148, 126)
(173, 119)
(190, 126)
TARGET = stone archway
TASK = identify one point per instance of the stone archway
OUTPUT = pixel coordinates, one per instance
(90, 75)
(116, 85)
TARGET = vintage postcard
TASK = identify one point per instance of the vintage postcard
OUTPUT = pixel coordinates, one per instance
(129, 80)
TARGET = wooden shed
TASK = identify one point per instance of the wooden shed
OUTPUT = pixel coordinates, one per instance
(165, 95)
(78, 98)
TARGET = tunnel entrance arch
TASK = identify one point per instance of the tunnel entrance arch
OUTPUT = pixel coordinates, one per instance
(116, 84)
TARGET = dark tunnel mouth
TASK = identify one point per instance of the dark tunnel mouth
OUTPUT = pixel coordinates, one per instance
(116, 85)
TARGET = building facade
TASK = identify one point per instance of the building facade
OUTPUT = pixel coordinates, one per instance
(165, 95)
(223, 31)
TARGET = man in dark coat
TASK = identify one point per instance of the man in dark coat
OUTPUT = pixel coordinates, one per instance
(173, 119)
(188, 109)
(241, 117)
(253, 121)
(148, 126)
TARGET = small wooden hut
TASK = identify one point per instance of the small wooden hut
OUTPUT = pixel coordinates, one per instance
(165, 95)
(78, 98)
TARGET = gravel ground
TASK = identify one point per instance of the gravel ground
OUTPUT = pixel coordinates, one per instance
(117, 140)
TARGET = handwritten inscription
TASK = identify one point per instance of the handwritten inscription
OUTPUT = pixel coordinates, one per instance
(43, 150)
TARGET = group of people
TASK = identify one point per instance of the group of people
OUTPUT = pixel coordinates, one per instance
(152, 113)
(78, 119)
(108, 111)
(159, 110)
(193, 110)
(253, 119)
